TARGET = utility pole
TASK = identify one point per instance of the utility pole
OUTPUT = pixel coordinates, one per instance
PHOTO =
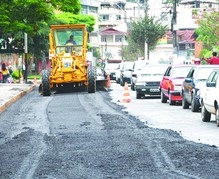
(146, 53)
(25, 60)
(146, 8)
(173, 27)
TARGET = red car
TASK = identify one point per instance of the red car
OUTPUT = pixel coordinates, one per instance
(171, 84)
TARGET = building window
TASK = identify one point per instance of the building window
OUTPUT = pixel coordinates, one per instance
(118, 38)
(118, 17)
(163, 16)
(93, 9)
(103, 39)
(105, 17)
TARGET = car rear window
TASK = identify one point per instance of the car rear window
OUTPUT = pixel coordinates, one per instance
(180, 72)
(203, 73)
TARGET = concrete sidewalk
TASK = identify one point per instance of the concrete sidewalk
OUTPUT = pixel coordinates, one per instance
(9, 93)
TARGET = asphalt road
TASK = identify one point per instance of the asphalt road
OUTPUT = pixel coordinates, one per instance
(81, 135)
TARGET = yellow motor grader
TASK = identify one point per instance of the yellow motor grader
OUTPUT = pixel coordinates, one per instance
(69, 64)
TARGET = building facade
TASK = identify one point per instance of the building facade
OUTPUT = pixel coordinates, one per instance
(112, 17)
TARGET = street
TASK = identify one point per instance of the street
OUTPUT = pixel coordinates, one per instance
(80, 135)
(161, 115)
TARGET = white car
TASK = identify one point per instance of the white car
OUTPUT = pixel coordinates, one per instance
(111, 69)
(138, 65)
(100, 74)
(209, 98)
(148, 80)
(118, 72)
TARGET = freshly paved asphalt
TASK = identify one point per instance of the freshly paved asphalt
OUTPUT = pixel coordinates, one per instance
(9, 93)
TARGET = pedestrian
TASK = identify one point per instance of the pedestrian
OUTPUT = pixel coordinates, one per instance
(24, 72)
(5, 73)
(10, 70)
(214, 60)
(10, 79)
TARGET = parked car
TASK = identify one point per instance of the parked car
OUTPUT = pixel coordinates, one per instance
(118, 73)
(209, 98)
(137, 66)
(148, 80)
(110, 70)
(192, 83)
(100, 74)
(171, 83)
(126, 73)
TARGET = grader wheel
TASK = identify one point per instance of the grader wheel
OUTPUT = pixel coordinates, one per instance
(91, 88)
(46, 91)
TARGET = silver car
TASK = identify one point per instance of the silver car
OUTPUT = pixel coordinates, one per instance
(148, 80)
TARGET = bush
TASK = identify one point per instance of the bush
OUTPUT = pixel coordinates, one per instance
(17, 74)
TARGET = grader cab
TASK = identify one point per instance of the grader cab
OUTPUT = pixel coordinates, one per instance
(69, 65)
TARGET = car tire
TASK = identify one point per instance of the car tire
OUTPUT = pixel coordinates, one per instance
(185, 104)
(138, 95)
(217, 117)
(132, 86)
(163, 98)
(205, 115)
(122, 83)
(171, 102)
(194, 105)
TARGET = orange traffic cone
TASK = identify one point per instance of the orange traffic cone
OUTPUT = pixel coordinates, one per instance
(126, 95)
(108, 81)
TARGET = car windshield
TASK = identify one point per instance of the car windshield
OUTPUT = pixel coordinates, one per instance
(153, 70)
(67, 40)
(139, 64)
(128, 65)
(203, 73)
(112, 66)
(180, 72)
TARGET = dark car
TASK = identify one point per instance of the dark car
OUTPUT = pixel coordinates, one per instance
(148, 80)
(191, 86)
(126, 73)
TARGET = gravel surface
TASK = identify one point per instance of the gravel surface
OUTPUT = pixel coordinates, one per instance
(79, 135)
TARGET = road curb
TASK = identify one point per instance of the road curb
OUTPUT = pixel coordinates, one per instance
(15, 98)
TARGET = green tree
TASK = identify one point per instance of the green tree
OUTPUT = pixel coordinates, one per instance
(131, 51)
(208, 30)
(69, 18)
(34, 18)
(146, 30)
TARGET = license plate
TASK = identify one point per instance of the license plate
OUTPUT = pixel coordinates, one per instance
(154, 90)
(143, 89)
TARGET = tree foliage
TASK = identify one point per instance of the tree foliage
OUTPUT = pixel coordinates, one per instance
(146, 30)
(34, 18)
(69, 18)
(208, 30)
